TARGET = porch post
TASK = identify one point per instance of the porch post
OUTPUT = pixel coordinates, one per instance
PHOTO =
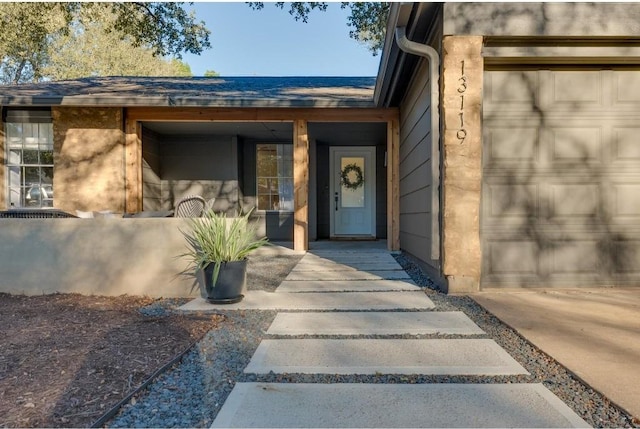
(133, 167)
(393, 185)
(300, 185)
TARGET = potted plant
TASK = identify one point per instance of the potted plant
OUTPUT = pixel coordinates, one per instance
(217, 251)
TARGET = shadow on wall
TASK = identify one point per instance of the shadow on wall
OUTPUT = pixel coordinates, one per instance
(88, 179)
(551, 215)
(225, 193)
(527, 19)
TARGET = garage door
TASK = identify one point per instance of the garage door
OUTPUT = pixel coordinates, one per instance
(561, 178)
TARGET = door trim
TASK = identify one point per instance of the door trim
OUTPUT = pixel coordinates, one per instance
(371, 151)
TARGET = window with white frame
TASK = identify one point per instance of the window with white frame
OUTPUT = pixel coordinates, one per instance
(29, 164)
(274, 173)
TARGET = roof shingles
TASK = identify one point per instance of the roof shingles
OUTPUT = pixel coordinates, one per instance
(196, 91)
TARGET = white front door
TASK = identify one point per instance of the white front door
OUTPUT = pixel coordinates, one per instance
(353, 191)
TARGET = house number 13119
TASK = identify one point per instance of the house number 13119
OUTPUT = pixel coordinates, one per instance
(461, 133)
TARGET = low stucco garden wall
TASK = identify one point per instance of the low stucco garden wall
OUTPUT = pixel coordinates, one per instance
(110, 256)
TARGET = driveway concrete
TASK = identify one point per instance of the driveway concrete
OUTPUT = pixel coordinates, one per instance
(595, 333)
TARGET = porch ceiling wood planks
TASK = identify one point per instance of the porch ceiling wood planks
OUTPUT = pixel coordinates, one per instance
(194, 114)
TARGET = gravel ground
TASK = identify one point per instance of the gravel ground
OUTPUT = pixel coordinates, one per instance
(192, 392)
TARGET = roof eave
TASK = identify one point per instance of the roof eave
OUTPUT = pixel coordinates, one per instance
(398, 16)
(417, 17)
(99, 101)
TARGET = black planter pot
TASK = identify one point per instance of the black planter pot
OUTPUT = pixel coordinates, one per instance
(232, 281)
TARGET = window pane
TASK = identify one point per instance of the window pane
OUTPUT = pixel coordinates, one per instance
(275, 203)
(274, 172)
(14, 132)
(29, 133)
(15, 157)
(286, 194)
(47, 174)
(264, 202)
(46, 157)
(45, 132)
(30, 156)
(30, 164)
(267, 166)
(31, 175)
(263, 185)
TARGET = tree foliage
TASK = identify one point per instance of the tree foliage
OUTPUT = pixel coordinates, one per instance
(32, 33)
(90, 50)
(211, 73)
(367, 20)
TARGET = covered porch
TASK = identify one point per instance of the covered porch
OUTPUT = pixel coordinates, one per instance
(215, 152)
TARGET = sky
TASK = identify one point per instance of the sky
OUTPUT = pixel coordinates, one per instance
(270, 42)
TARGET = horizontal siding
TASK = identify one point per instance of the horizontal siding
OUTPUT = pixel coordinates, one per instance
(416, 170)
(411, 204)
(418, 180)
(417, 246)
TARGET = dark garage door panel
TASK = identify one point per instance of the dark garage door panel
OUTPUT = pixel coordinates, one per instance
(561, 178)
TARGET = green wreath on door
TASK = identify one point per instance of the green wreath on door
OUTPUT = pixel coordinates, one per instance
(346, 181)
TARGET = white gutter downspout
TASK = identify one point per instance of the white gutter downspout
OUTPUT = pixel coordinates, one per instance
(431, 54)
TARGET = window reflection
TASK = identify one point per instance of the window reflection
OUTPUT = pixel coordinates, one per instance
(274, 171)
(30, 164)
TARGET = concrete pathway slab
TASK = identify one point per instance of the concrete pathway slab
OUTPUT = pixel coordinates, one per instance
(387, 356)
(374, 323)
(348, 275)
(348, 258)
(335, 266)
(261, 300)
(400, 405)
(356, 250)
(346, 286)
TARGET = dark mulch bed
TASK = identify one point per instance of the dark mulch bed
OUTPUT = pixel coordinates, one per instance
(66, 359)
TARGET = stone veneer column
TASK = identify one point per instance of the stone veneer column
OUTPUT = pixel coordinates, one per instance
(463, 69)
(88, 160)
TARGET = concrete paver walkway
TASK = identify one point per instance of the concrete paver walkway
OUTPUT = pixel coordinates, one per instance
(367, 404)
(374, 323)
(383, 356)
(260, 300)
(346, 286)
(394, 406)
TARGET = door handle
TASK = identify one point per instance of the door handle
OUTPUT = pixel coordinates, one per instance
(336, 200)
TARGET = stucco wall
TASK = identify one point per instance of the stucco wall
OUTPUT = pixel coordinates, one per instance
(88, 159)
(542, 19)
(92, 256)
(103, 256)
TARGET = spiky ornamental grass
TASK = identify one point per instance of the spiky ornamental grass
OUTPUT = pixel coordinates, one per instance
(215, 239)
